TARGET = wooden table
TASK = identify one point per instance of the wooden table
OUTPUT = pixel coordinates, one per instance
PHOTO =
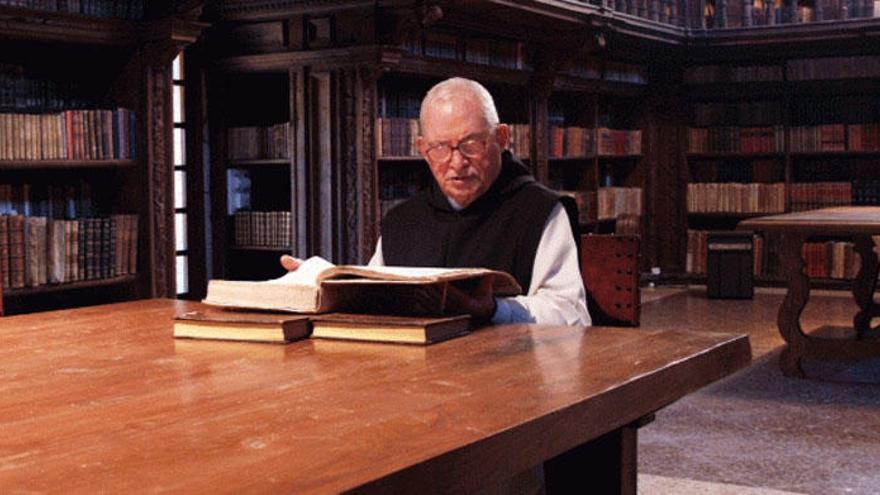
(857, 222)
(103, 399)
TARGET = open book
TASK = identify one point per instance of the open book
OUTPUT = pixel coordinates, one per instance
(319, 286)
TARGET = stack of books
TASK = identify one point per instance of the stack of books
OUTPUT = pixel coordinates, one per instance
(322, 300)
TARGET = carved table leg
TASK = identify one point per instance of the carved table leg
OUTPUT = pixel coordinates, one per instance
(795, 300)
(864, 285)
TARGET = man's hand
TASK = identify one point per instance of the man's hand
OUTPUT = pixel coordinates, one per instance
(480, 303)
(289, 262)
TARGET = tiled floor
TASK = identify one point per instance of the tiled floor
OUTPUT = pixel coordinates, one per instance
(757, 428)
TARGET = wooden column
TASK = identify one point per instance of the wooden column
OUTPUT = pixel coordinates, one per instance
(720, 13)
(793, 12)
(367, 174)
(818, 11)
(159, 222)
(747, 12)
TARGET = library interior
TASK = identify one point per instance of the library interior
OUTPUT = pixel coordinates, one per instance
(718, 162)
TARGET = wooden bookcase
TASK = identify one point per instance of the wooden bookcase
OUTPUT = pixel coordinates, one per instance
(355, 79)
(70, 155)
(804, 129)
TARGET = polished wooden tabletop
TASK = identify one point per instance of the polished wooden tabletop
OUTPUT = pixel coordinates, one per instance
(103, 399)
(840, 220)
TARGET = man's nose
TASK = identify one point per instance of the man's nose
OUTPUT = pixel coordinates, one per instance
(457, 161)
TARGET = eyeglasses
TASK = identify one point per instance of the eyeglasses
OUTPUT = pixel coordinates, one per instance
(472, 147)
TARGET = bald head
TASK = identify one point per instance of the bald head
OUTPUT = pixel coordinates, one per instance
(458, 90)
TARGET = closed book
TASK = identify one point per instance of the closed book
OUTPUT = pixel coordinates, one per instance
(16, 251)
(241, 325)
(395, 329)
(4, 251)
(57, 244)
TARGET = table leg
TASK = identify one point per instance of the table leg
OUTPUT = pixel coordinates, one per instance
(864, 285)
(608, 464)
(793, 305)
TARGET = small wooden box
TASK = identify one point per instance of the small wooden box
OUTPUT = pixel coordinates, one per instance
(729, 265)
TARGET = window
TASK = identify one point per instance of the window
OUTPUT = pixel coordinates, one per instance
(180, 200)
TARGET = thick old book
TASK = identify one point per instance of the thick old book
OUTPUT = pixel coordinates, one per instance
(319, 286)
(383, 328)
(241, 326)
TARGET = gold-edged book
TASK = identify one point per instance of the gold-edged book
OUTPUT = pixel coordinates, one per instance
(319, 286)
(382, 328)
(241, 326)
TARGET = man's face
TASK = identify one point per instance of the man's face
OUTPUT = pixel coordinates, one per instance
(475, 160)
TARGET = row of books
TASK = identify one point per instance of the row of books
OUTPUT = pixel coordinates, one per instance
(616, 142)
(830, 260)
(68, 135)
(616, 201)
(736, 139)
(802, 139)
(263, 228)
(589, 67)
(571, 142)
(494, 52)
(863, 137)
(57, 201)
(122, 9)
(709, 197)
(732, 74)
(621, 72)
(697, 253)
(812, 195)
(739, 114)
(830, 137)
(795, 70)
(866, 192)
(397, 137)
(399, 103)
(36, 251)
(258, 142)
(833, 68)
(22, 93)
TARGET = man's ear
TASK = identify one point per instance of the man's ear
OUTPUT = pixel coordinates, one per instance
(502, 136)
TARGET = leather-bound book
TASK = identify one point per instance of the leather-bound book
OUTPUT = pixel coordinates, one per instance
(610, 269)
(384, 328)
(245, 326)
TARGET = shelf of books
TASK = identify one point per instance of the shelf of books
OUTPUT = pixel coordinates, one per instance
(255, 158)
(594, 153)
(807, 144)
(71, 174)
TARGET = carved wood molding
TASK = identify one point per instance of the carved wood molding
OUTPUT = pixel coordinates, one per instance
(273, 9)
(159, 180)
(367, 170)
(350, 176)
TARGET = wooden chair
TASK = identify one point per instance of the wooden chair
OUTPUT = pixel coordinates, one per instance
(610, 269)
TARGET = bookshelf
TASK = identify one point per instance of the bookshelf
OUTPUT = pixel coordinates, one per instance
(800, 140)
(258, 201)
(595, 151)
(84, 202)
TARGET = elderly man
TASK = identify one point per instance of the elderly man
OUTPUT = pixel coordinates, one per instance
(484, 210)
